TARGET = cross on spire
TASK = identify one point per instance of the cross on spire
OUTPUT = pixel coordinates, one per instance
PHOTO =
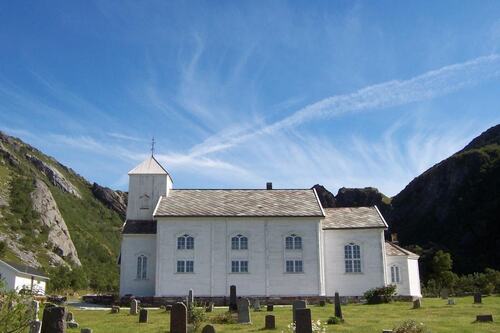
(153, 146)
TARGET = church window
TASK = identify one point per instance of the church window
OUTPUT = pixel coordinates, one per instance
(239, 242)
(185, 266)
(144, 201)
(293, 242)
(352, 255)
(395, 278)
(294, 266)
(142, 267)
(239, 266)
(185, 242)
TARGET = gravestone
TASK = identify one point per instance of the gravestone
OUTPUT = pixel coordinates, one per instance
(86, 330)
(35, 305)
(244, 311)
(451, 301)
(484, 318)
(53, 320)
(386, 331)
(297, 304)
(134, 307)
(338, 307)
(178, 318)
(478, 298)
(303, 321)
(115, 309)
(445, 293)
(190, 299)
(208, 329)
(322, 302)
(35, 326)
(168, 308)
(417, 303)
(210, 307)
(270, 307)
(70, 320)
(256, 304)
(270, 322)
(233, 306)
(143, 316)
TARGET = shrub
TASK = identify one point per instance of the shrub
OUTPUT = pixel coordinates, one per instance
(317, 327)
(3, 248)
(223, 318)
(15, 311)
(410, 326)
(196, 317)
(334, 320)
(380, 294)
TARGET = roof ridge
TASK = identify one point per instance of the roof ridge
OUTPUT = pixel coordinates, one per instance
(241, 189)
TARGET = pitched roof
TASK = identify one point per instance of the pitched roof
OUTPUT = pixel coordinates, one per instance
(392, 249)
(353, 218)
(19, 268)
(143, 227)
(149, 166)
(295, 202)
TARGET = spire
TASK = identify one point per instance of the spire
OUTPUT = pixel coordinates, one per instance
(153, 146)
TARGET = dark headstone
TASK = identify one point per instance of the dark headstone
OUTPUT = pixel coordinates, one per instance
(386, 331)
(270, 308)
(208, 329)
(143, 316)
(244, 311)
(86, 330)
(297, 304)
(210, 307)
(322, 302)
(168, 307)
(190, 299)
(178, 318)
(35, 326)
(270, 322)
(484, 318)
(417, 303)
(233, 306)
(72, 324)
(303, 321)
(338, 307)
(54, 320)
(478, 299)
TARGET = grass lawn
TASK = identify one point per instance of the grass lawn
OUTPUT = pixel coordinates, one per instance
(359, 318)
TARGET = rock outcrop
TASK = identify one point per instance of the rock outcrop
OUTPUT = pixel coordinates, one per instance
(326, 197)
(59, 237)
(55, 177)
(115, 200)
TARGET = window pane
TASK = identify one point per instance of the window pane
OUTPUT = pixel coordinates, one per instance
(244, 243)
(181, 243)
(235, 243)
(180, 266)
(357, 266)
(298, 266)
(348, 266)
(356, 252)
(289, 243)
(348, 252)
(189, 243)
(397, 273)
(144, 267)
(393, 277)
(139, 267)
(289, 266)
(234, 266)
(298, 243)
(189, 266)
(244, 266)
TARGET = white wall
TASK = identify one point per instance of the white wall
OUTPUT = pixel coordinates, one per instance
(212, 256)
(414, 275)
(132, 247)
(17, 281)
(8, 276)
(409, 275)
(371, 242)
(153, 186)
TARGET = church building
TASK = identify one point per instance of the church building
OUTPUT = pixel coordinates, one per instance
(275, 243)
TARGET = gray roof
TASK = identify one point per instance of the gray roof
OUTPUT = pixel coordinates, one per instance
(293, 202)
(150, 166)
(143, 227)
(392, 249)
(19, 268)
(353, 218)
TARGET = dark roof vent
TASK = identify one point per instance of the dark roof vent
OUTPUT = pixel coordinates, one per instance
(269, 185)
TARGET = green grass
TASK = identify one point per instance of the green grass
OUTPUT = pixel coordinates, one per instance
(359, 318)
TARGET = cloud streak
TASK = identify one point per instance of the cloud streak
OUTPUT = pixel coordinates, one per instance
(432, 84)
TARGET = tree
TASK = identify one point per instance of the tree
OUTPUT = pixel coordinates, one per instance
(16, 312)
(3, 248)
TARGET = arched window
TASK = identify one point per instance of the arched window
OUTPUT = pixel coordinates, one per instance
(185, 242)
(352, 255)
(293, 242)
(142, 267)
(144, 201)
(239, 242)
(395, 278)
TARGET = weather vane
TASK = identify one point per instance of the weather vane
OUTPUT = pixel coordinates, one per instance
(153, 146)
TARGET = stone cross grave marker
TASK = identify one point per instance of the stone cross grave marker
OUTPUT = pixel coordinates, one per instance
(178, 318)
(303, 323)
(233, 306)
(297, 304)
(270, 322)
(244, 311)
(338, 307)
(208, 329)
(134, 307)
(143, 316)
(53, 320)
(478, 298)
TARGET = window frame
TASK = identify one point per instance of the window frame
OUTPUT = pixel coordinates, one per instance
(352, 258)
(239, 242)
(292, 266)
(184, 266)
(185, 242)
(237, 266)
(293, 242)
(395, 274)
(141, 267)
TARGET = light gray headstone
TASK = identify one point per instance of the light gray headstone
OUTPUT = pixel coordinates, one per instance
(297, 304)
(134, 307)
(445, 293)
(35, 305)
(244, 311)
(256, 304)
(451, 301)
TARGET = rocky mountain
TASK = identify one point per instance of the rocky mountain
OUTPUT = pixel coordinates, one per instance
(50, 216)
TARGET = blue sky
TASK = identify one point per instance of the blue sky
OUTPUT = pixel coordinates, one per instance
(237, 93)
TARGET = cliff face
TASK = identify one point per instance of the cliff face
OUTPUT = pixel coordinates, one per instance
(115, 200)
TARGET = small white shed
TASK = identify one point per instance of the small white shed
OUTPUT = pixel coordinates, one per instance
(20, 277)
(402, 270)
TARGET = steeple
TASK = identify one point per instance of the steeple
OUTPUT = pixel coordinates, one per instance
(150, 166)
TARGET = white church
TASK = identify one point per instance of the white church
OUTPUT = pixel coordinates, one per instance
(270, 243)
